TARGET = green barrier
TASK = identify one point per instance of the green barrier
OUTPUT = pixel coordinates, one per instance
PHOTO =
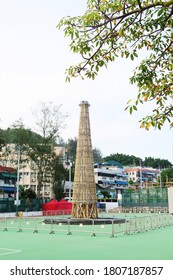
(145, 197)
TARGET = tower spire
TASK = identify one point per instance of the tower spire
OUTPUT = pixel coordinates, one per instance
(84, 202)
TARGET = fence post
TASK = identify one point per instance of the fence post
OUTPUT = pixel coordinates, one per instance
(51, 228)
(35, 227)
(127, 224)
(5, 228)
(69, 232)
(19, 225)
(93, 234)
(112, 235)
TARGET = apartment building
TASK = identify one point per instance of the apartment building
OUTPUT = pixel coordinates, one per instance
(142, 175)
(28, 169)
(8, 177)
(110, 174)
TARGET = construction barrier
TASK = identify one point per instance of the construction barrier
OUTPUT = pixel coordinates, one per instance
(111, 226)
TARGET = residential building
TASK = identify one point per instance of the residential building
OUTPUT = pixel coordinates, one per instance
(110, 176)
(28, 169)
(8, 178)
(142, 175)
(110, 173)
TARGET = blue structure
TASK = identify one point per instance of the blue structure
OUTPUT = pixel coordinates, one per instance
(110, 174)
(8, 178)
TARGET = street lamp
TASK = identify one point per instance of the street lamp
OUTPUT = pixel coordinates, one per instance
(70, 180)
(68, 164)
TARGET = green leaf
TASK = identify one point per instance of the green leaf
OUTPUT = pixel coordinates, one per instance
(131, 56)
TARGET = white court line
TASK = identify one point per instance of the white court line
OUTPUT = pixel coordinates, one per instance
(12, 251)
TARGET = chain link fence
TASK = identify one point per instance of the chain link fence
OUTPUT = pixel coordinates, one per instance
(145, 197)
(7, 205)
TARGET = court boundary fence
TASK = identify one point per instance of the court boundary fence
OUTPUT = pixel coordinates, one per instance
(145, 197)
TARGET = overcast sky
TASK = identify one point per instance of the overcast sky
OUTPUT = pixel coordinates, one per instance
(33, 57)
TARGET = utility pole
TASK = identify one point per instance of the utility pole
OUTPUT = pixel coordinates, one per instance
(70, 183)
(68, 165)
(140, 174)
(17, 201)
(160, 176)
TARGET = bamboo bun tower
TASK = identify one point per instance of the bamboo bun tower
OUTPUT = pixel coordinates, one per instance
(84, 201)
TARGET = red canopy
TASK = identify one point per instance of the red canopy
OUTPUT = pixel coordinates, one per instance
(55, 207)
(63, 204)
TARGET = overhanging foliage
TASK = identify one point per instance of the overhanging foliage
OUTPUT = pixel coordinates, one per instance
(110, 29)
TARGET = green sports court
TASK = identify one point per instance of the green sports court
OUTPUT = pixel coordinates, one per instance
(143, 236)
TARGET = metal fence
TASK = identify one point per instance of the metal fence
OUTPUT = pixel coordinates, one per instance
(112, 228)
(145, 197)
(145, 209)
(142, 224)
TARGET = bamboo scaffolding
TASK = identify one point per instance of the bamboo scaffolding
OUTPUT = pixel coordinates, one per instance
(84, 202)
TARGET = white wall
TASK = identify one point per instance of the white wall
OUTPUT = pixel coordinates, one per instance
(110, 205)
(25, 214)
(170, 200)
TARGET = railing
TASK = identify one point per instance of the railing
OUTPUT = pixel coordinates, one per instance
(149, 209)
(57, 212)
(111, 227)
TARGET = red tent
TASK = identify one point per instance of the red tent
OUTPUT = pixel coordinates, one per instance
(64, 204)
(55, 207)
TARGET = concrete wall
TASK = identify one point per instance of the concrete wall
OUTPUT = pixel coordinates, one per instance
(110, 205)
(25, 214)
(170, 200)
